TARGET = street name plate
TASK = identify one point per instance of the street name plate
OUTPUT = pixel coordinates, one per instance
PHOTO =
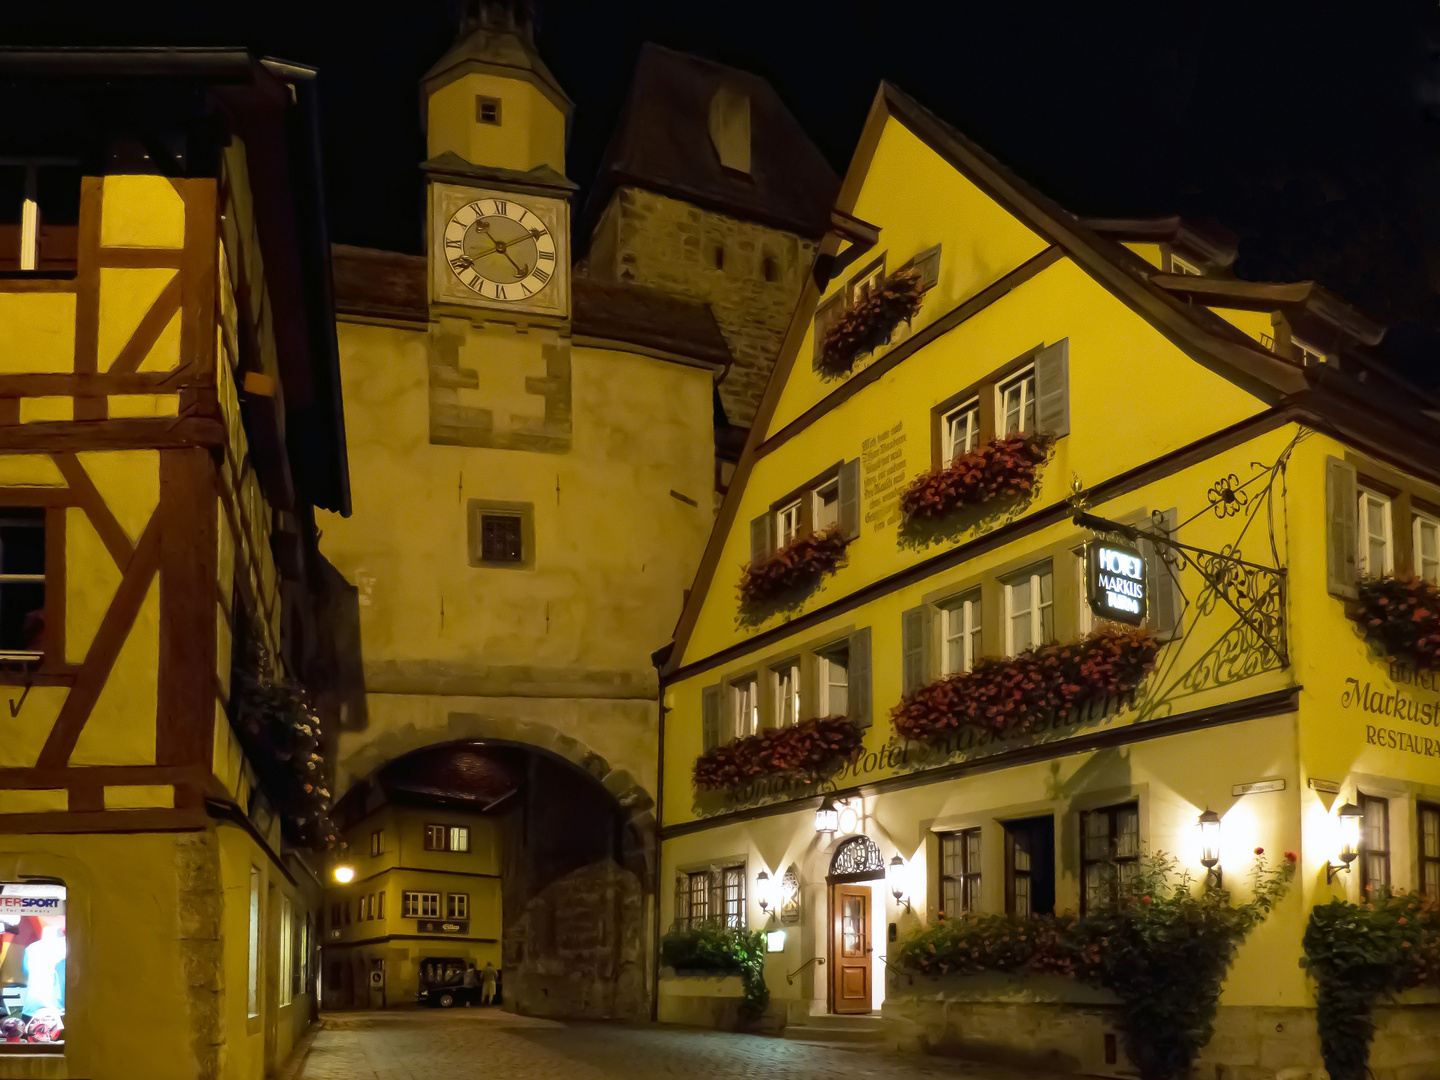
(1258, 786)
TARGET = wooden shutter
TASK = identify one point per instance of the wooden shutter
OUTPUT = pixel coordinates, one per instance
(914, 648)
(710, 717)
(857, 677)
(682, 900)
(1052, 389)
(928, 263)
(1342, 527)
(850, 499)
(825, 316)
(1167, 602)
(761, 532)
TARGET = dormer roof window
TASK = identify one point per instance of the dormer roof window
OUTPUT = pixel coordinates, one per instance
(730, 128)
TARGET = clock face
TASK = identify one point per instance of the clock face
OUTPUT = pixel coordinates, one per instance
(498, 249)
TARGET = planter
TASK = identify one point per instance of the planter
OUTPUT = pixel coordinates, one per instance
(1013, 695)
(806, 751)
(1004, 466)
(1401, 618)
(794, 569)
(869, 322)
(705, 999)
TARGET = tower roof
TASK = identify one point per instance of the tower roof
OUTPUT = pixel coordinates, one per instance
(663, 144)
(498, 39)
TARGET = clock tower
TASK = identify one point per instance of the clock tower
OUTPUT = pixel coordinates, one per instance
(498, 222)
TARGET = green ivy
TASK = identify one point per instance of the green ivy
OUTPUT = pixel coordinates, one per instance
(1160, 946)
(726, 950)
(1359, 955)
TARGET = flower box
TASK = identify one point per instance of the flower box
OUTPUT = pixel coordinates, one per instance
(806, 751)
(1012, 695)
(1401, 617)
(796, 568)
(1006, 465)
(869, 322)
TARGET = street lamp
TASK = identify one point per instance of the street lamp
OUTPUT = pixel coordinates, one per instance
(827, 818)
(1350, 817)
(344, 874)
(899, 886)
(1210, 846)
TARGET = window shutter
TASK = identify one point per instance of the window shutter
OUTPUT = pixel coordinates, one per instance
(858, 678)
(850, 499)
(825, 316)
(1342, 527)
(1167, 602)
(710, 717)
(760, 537)
(928, 263)
(914, 648)
(1052, 388)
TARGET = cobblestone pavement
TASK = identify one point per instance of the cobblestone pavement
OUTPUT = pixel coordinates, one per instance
(459, 1045)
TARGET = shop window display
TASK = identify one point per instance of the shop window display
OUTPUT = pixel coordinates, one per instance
(32, 964)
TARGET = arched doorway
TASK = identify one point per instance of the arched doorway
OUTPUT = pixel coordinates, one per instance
(857, 912)
(476, 851)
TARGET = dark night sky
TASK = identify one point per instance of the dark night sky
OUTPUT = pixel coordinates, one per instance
(1310, 128)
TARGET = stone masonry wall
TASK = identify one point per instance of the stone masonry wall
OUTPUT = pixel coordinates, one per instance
(664, 243)
(197, 871)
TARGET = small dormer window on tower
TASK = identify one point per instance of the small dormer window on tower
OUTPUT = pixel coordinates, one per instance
(730, 128)
(487, 110)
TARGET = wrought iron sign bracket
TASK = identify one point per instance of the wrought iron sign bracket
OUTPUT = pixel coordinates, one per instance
(1255, 593)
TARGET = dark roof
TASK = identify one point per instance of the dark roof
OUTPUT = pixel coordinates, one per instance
(389, 285)
(648, 318)
(662, 143)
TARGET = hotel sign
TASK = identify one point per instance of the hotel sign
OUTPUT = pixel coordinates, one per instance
(1115, 581)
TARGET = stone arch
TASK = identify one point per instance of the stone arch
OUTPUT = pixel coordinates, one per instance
(364, 761)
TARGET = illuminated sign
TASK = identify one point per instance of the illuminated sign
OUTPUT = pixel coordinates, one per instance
(1115, 581)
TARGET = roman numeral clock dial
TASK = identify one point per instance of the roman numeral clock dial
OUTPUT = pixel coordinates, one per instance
(499, 250)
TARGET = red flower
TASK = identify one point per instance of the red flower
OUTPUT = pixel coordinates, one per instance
(1144, 899)
(1259, 851)
(1290, 856)
(795, 568)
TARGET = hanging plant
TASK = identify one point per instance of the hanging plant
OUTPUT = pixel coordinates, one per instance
(868, 323)
(1401, 617)
(807, 751)
(795, 568)
(1012, 695)
(1006, 465)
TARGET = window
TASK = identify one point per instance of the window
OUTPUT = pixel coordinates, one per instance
(1428, 834)
(961, 622)
(1015, 403)
(457, 905)
(744, 707)
(1109, 853)
(833, 680)
(1308, 355)
(39, 212)
(732, 896)
(459, 838)
(32, 918)
(435, 836)
(1374, 842)
(769, 268)
(1084, 617)
(787, 523)
(1180, 266)
(287, 950)
(421, 905)
(1030, 866)
(867, 280)
(22, 584)
(697, 897)
(1029, 608)
(364, 909)
(717, 256)
(826, 511)
(380, 904)
(1427, 548)
(345, 911)
(960, 430)
(487, 110)
(377, 842)
(959, 871)
(502, 534)
(252, 994)
(1375, 559)
(334, 916)
(787, 693)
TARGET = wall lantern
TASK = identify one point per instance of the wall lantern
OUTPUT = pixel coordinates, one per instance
(899, 886)
(1210, 847)
(344, 874)
(764, 892)
(827, 818)
(1350, 816)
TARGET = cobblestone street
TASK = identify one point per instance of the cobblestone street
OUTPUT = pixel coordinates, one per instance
(459, 1045)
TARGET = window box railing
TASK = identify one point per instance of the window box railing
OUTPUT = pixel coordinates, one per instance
(869, 321)
(793, 570)
(1400, 616)
(1009, 696)
(807, 751)
(1004, 466)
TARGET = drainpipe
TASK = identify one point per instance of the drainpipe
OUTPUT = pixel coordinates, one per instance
(658, 658)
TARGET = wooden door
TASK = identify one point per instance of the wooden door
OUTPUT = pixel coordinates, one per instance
(850, 946)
